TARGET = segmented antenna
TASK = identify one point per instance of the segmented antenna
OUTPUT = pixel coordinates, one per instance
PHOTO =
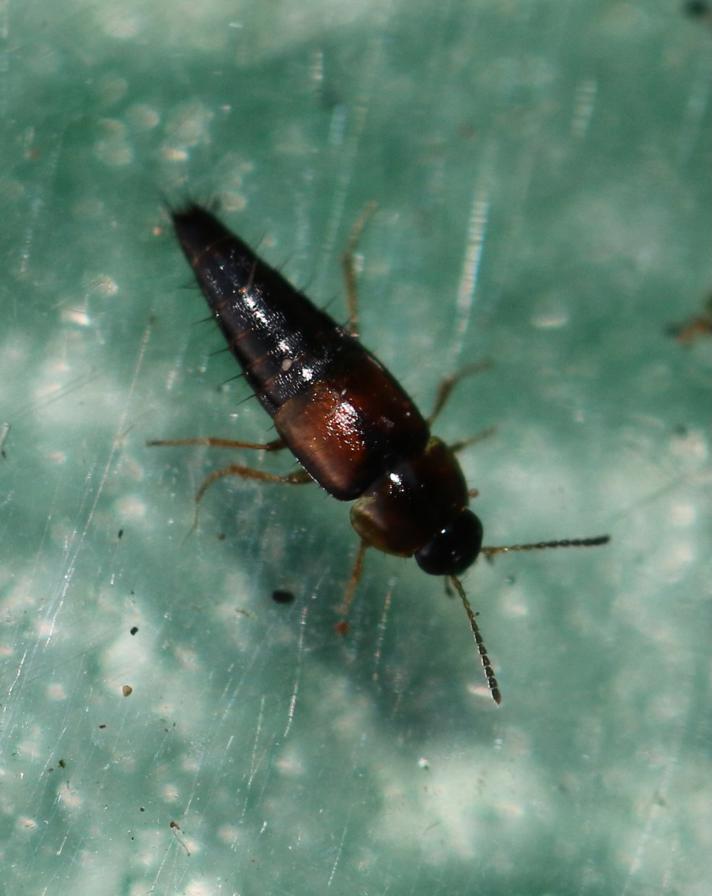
(540, 545)
(479, 642)
(490, 552)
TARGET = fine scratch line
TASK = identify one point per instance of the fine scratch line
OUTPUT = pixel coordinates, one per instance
(116, 441)
(298, 675)
(339, 851)
(382, 622)
(476, 231)
(254, 761)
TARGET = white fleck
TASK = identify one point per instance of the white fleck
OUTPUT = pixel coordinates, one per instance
(173, 154)
(143, 116)
(583, 107)
(117, 22)
(77, 316)
(105, 285)
(131, 508)
(69, 797)
(56, 691)
(170, 793)
(683, 514)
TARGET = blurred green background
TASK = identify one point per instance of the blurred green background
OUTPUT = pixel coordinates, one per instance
(543, 178)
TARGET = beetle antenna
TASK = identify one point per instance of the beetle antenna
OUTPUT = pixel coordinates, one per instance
(597, 540)
(479, 643)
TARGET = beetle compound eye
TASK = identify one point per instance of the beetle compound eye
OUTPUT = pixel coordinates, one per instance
(453, 549)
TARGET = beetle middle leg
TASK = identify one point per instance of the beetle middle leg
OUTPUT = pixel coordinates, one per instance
(480, 436)
(448, 384)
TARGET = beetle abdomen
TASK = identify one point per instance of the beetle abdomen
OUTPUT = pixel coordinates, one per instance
(343, 416)
(281, 340)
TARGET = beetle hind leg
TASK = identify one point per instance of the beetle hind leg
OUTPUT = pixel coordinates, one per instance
(297, 477)
(215, 442)
(342, 625)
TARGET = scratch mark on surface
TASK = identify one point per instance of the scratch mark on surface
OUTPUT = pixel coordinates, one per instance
(584, 103)
(348, 152)
(691, 125)
(17, 675)
(298, 673)
(159, 871)
(254, 764)
(339, 851)
(382, 622)
(199, 764)
(53, 393)
(73, 555)
(62, 845)
(653, 815)
(476, 231)
(254, 761)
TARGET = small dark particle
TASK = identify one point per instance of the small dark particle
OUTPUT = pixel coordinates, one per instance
(342, 627)
(694, 327)
(133, 629)
(127, 690)
(175, 827)
(62, 763)
(141, 809)
(120, 533)
(4, 431)
(221, 536)
(697, 9)
(282, 597)
(102, 726)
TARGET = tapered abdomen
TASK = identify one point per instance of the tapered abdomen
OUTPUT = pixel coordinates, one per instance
(341, 413)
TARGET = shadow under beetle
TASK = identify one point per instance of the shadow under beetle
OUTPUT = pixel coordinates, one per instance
(344, 417)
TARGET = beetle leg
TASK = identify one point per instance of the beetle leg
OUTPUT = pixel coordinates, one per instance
(275, 445)
(349, 266)
(350, 590)
(298, 477)
(448, 384)
(478, 437)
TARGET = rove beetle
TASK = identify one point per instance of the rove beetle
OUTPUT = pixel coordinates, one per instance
(344, 417)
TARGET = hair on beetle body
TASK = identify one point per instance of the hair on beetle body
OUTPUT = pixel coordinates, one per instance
(344, 417)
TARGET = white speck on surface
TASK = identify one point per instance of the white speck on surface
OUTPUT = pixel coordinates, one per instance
(584, 103)
(174, 154)
(143, 116)
(119, 22)
(78, 316)
(56, 691)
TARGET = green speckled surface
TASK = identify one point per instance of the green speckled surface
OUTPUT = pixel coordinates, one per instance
(543, 179)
